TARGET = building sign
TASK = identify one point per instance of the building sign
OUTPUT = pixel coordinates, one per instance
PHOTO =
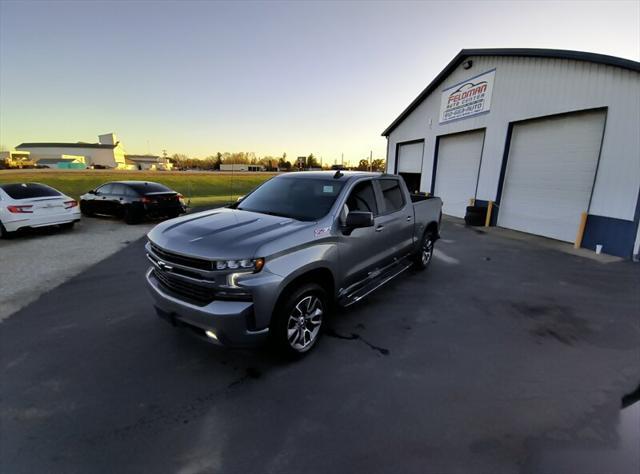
(468, 98)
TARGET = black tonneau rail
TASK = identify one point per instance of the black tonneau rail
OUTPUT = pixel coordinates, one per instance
(420, 197)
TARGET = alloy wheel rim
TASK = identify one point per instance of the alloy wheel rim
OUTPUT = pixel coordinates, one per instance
(303, 325)
(427, 251)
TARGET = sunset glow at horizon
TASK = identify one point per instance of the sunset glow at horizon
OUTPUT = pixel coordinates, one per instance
(266, 77)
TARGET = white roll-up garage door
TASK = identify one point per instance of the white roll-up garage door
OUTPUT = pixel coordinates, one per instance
(457, 170)
(550, 173)
(410, 157)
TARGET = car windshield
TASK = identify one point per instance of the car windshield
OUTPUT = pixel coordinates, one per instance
(304, 199)
(144, 188)
(28, 190)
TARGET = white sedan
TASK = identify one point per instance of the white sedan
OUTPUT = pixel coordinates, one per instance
(29, 205)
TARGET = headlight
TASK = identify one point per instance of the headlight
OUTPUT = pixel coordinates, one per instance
(255, 264)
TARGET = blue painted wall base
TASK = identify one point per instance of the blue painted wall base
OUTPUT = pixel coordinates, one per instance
(616, 236)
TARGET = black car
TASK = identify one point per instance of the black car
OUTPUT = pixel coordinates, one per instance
(132, 200)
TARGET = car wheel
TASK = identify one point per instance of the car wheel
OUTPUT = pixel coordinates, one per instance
(297, 324)
(84, 209)
(425, 253)
(4, 233)
(67, 225)
(131, 217)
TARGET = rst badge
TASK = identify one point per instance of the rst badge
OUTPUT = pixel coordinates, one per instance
(322, 231)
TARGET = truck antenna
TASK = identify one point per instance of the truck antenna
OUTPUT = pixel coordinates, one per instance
(338, 175)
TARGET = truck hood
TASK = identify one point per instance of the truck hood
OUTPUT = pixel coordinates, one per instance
(222, 233)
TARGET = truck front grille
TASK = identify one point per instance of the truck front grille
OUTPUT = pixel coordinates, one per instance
(193, 262)
(190, 291)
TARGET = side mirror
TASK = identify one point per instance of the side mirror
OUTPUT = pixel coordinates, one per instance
(240, 198)
(359, 219)
(93, 191)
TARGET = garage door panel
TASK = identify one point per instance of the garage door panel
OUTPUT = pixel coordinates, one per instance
(410, 157)
(550, 172)
(457, 169)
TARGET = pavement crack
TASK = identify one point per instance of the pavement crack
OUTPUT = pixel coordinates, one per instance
(357, 337)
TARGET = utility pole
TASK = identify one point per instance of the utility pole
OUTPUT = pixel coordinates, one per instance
(371, 160)
(342, 159)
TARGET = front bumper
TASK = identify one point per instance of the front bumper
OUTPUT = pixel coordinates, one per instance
(228, 320)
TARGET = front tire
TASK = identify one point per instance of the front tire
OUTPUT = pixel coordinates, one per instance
(424, 255)
(297, 323)
(85, 209)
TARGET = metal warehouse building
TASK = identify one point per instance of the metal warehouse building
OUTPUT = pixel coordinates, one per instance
(549, 140)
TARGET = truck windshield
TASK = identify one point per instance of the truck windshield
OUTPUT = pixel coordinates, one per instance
(304, 199)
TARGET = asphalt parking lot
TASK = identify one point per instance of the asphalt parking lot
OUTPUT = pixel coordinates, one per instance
(37, 261)
(505, 357)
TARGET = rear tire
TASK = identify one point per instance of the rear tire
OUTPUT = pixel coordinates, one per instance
(4, 233)
(67, 225)
(424, 255)
(297, 323)
(132, 217)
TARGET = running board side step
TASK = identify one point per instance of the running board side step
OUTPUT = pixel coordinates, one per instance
(375, 283)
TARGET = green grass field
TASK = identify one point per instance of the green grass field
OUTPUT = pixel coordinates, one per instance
(202, 188)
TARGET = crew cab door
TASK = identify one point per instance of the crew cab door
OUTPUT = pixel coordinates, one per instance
(396, 220)
(360, 250)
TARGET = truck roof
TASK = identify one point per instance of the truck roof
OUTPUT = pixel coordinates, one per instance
(344, 175)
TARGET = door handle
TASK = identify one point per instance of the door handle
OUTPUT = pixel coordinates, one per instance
(379, 228)
(409, 218)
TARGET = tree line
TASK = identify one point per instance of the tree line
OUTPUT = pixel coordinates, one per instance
(269, 163)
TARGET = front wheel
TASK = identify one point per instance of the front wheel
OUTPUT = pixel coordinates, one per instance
(297, 324)
(85, 209)
(425, 253)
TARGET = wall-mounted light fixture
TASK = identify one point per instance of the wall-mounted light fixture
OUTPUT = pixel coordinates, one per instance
(467, 64)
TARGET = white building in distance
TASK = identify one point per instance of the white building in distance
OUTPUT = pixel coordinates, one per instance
(107, 153)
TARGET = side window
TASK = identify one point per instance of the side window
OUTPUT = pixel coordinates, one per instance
(119, 189)
(363, 198)
(129, 191)
(391, 195)
(105, 189)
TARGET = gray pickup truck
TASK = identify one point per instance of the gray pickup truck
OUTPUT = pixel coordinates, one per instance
(272, 265)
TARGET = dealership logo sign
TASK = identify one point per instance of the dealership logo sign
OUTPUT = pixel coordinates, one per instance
(467, 98)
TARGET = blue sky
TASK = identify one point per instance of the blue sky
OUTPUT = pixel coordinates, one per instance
(269, 77)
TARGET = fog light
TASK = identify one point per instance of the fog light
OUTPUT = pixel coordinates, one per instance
(211, 335)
